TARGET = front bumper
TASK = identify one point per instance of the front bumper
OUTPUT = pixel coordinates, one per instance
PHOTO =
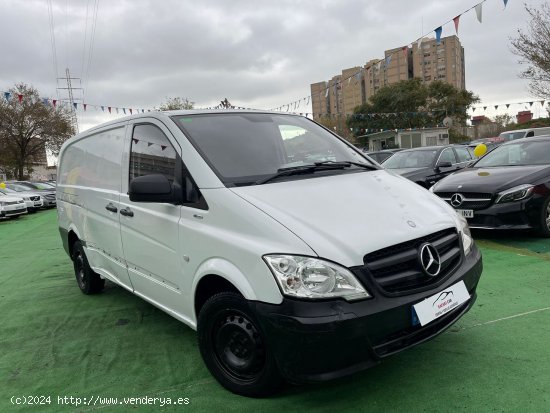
(323, 340)
(511, 215)
(12, 210)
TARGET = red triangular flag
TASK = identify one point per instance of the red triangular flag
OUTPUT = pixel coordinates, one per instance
(130, 111)
(84, 104)
(455, 20)
(163, 147)
(54, 102)
(109, 109)
(135, 140)
(20, 97)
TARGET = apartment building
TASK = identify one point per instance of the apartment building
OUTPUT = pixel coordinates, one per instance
(354, 86)
(443, 61)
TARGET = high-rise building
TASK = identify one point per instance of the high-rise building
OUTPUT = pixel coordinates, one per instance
(354, 86)
(443, 61)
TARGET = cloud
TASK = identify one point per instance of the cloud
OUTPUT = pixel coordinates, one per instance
(256, 53)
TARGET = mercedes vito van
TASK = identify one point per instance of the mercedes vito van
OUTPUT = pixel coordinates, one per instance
(293, 256)
(523, 133)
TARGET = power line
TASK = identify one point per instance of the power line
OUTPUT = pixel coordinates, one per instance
(92, 39)
(85, 38)
(52, 40)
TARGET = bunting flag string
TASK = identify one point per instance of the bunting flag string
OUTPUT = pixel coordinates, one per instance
(66, 104)
(496, 106)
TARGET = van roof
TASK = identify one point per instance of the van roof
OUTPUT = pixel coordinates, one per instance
(168, 113)
(525, 130)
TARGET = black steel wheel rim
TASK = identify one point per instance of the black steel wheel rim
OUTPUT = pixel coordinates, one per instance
(238, 346)
(547, 216)
(79, 270)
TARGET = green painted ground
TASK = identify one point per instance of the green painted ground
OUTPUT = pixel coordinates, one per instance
(54, 341)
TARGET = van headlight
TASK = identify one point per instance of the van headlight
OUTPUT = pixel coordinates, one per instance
(307, 277)
(515, 194)
(467, 240)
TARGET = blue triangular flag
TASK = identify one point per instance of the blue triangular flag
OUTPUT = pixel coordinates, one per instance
(438, 34)
(7, 95)
(75, 105)
(505, 3)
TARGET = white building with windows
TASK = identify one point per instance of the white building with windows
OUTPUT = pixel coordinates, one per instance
(406, 138)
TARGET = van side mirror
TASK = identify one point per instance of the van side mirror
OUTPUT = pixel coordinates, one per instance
(151, 188)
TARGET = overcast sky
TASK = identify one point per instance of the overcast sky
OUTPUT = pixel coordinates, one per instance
(258, 54)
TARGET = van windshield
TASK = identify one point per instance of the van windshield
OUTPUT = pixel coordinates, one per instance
(510, 136)
(244, 148)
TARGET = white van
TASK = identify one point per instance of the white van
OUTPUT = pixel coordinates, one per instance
(294, 256)
(523, 133)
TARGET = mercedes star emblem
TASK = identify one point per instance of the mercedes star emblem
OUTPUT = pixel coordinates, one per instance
(457, 200)
(429, 260)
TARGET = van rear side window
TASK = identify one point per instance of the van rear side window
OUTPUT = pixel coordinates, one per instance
(151, 153)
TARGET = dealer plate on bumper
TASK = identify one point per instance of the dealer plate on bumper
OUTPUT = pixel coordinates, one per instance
(441, 303)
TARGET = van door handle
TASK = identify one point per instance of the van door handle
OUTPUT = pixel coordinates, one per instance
(127, 212)
(111, 207)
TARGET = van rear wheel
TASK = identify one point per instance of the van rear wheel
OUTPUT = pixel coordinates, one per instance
(88, 281)
(234, 348)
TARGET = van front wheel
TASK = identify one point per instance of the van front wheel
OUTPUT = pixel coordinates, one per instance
(88, 281)
(234, 349)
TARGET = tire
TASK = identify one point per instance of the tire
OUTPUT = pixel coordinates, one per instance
(544, 229)
(88, 281)
(234, 348)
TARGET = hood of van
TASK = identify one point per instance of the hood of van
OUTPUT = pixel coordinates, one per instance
(343, 217)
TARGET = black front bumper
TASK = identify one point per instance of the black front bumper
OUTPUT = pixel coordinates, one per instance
(524, 214)
(316, 341)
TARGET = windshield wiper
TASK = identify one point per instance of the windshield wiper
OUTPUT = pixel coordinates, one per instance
(347, 164)
(317, 166)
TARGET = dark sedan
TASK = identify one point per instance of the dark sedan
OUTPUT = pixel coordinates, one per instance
(382, 155)
(427, 165)
(509, 188)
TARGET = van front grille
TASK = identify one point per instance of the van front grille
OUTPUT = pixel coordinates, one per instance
(397, 269)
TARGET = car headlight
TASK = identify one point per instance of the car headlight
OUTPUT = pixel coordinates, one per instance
(467, 240)
(515, 194)
(307, 277)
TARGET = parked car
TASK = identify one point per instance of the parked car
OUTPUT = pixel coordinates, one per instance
(282, 264)
(509, 188)
(427, 165)
(523, 133)
(12, 207)
(381, 156)
(47, 194)
(32, 200)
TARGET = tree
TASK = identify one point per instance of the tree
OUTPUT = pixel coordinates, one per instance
(533, 48)
(177, 103)
(28, 128)
(412, 104)
(504, 120)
